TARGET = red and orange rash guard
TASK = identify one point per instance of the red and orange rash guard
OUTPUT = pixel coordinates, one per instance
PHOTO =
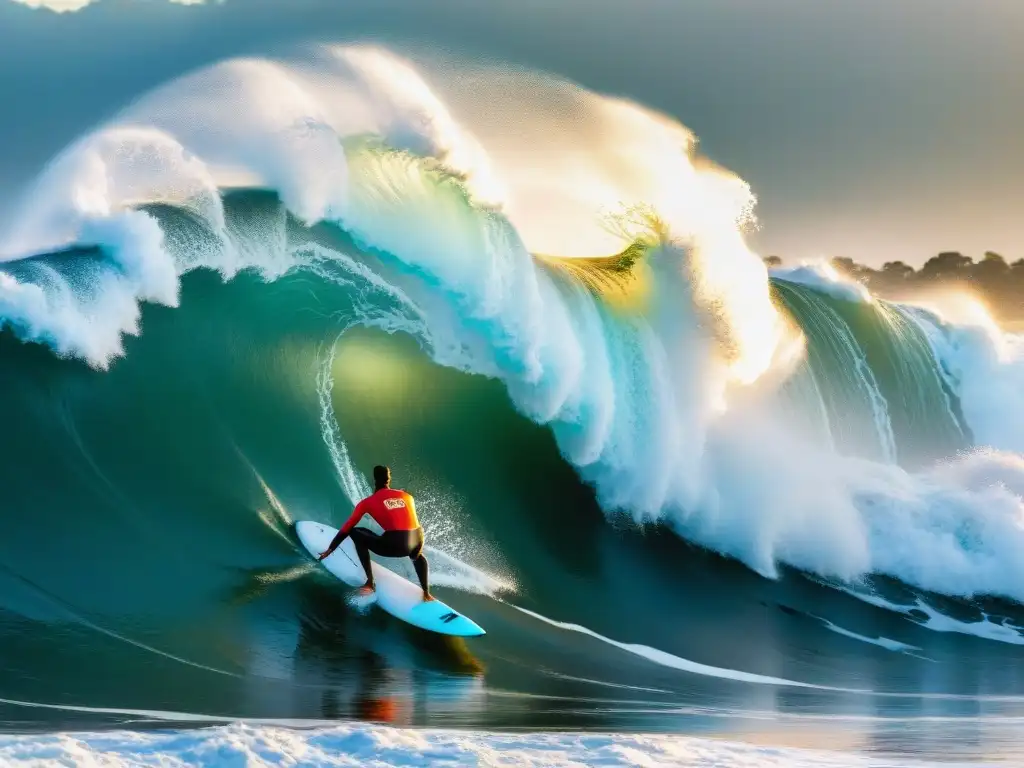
(393, 510)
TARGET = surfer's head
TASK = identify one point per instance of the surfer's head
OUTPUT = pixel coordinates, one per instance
(381, 476)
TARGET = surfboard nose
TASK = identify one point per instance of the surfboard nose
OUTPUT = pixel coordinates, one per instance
(442, 617)
(471, 628)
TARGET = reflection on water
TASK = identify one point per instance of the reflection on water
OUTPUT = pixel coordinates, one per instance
(295, 651)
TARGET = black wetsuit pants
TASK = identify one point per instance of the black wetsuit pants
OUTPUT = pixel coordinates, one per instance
(391, 544)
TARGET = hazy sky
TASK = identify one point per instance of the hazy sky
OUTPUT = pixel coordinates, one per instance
(877, 129)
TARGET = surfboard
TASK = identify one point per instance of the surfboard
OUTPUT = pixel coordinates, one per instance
(395, 594)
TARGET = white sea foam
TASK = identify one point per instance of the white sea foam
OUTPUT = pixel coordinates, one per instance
(881, 642)
(672, 661)
(984, 365)
(939, 622)
(371, 746)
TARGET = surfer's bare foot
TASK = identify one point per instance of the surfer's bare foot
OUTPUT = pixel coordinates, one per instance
(366, 589)
(427, 597)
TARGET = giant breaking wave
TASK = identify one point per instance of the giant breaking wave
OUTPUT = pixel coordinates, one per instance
(575, 248)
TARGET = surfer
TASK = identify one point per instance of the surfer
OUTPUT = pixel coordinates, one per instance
(395, 512)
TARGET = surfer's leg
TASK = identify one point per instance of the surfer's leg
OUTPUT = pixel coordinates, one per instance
(422, 573)
(364, 539)
(390, 544)
(419, 562)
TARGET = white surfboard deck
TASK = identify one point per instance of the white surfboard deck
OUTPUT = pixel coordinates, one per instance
(396, 595)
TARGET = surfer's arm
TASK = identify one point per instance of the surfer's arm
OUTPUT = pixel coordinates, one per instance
(339, 537)
(344, 530)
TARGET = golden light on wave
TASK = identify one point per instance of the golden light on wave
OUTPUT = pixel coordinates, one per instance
(371, 372)
(620, 280)
(704, 209)
(736, 281)
(569, 161)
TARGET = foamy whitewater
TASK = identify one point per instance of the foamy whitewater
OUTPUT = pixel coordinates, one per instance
(378, 747)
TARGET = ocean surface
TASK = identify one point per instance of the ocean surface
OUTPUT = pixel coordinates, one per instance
(706, 513)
